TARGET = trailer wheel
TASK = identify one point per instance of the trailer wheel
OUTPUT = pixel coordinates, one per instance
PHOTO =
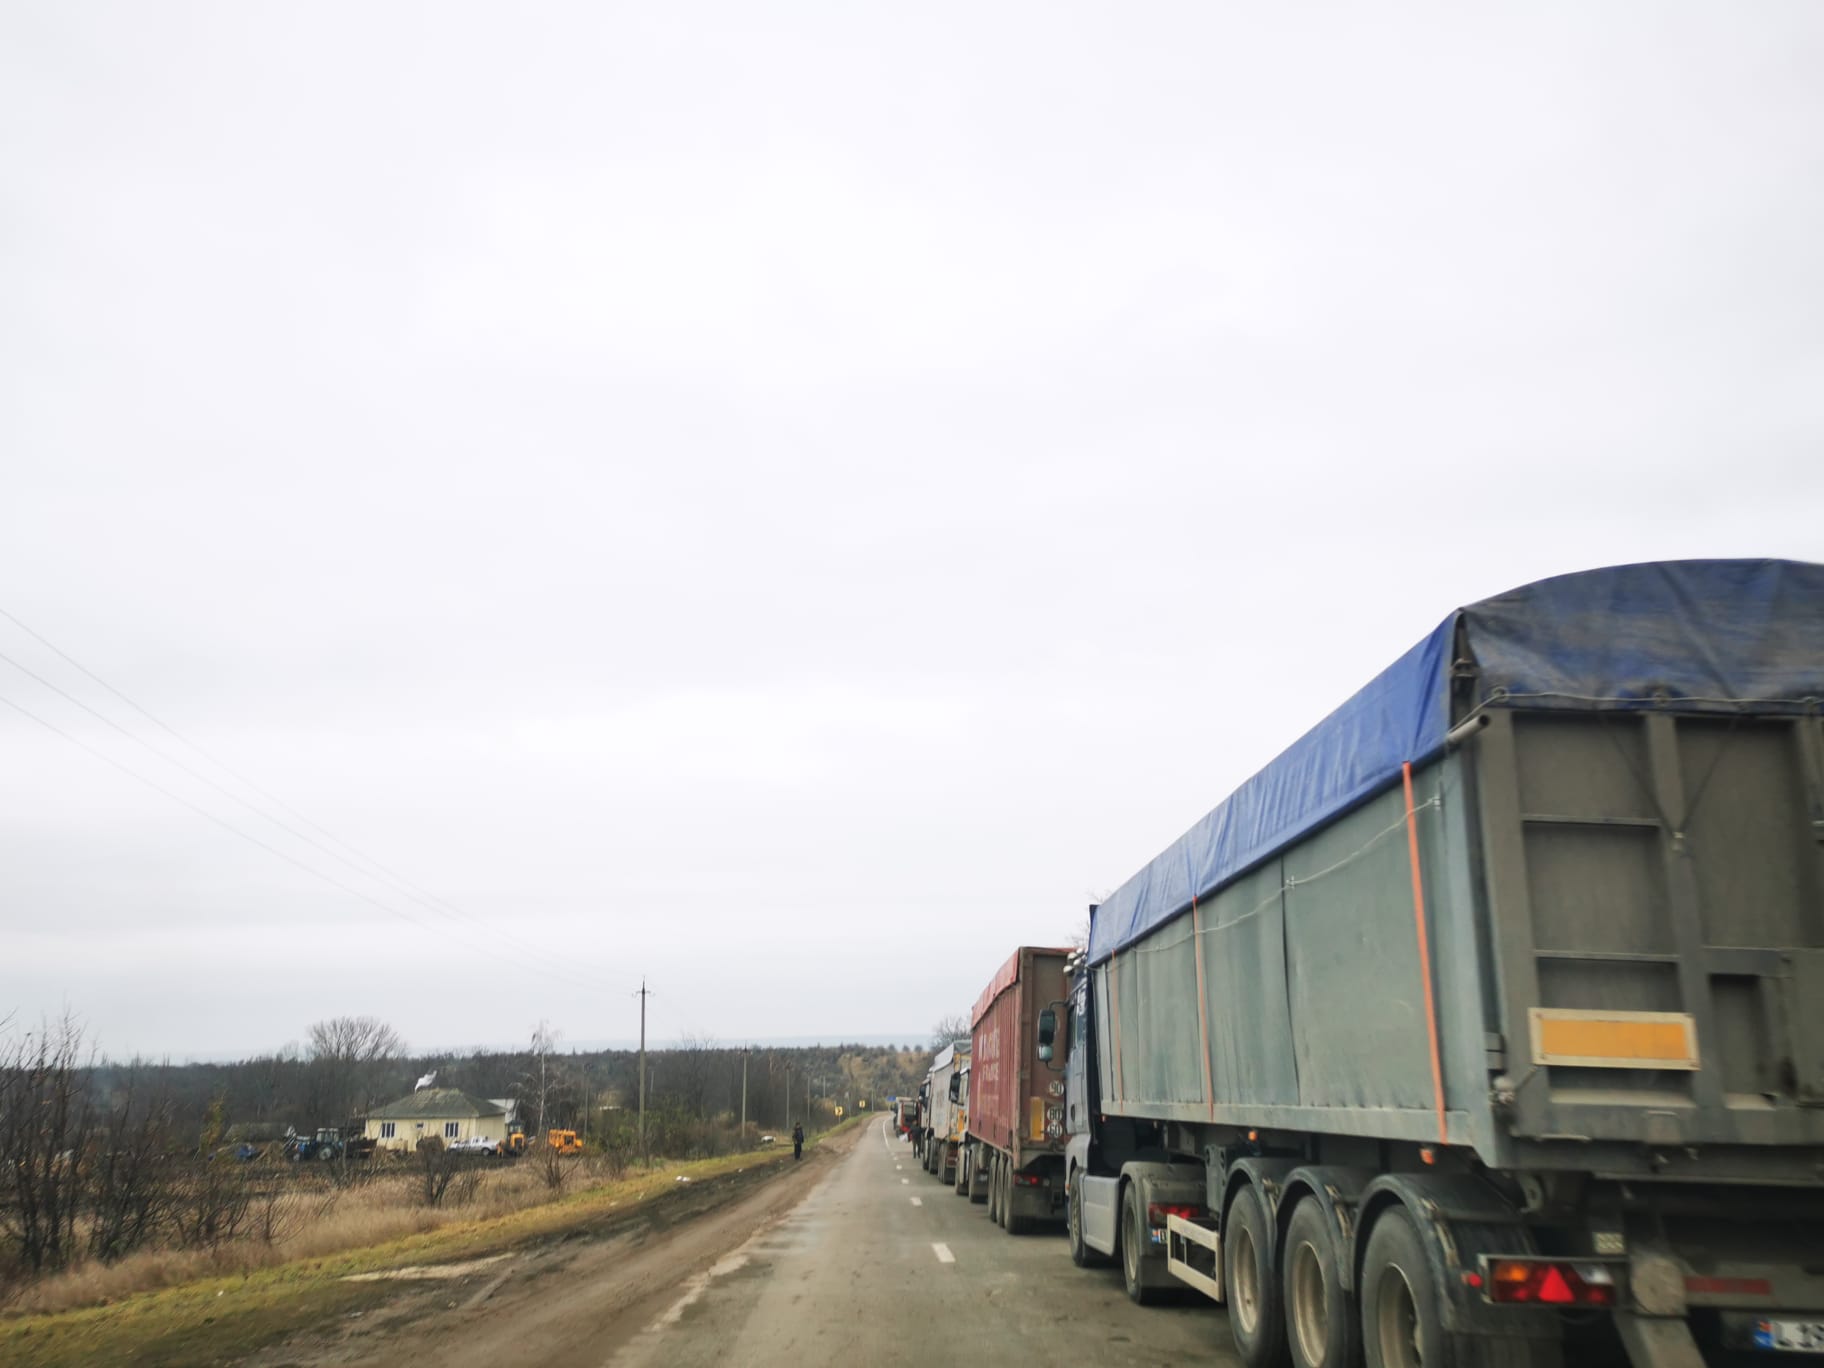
(1080, 1253)
(1401, 1327)
(1255, 1318)
(1133, 1248)
(994, 1188)
(1321, 1329)
(961, 1186)
(975, 1159)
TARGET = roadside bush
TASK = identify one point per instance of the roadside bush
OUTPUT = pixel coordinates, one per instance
(554, 1168)
(437, 1169)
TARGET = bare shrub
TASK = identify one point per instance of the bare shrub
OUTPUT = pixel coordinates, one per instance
(464, 1189)
(276, 1216)
(437, 1169)
(46, 1122)
(554, 1167)
(130, 1195)
(214, 1198)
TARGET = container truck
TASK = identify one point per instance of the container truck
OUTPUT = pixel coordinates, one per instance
(1489, 1018)
(1015, 1140)
(944, 1111)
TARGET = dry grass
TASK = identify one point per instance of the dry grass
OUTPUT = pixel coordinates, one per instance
(311, 1222)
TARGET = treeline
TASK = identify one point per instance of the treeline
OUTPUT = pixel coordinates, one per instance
(307, 1088)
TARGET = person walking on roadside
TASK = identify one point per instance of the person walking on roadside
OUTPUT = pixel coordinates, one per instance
(798, 1140)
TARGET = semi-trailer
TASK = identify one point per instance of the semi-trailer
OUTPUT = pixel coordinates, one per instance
(1014, 1147)
(944, 1111)
(1489, 1017)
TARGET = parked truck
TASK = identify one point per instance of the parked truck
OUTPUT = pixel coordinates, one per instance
(1014, 1150)
(945, 1110)
(1489, 1017)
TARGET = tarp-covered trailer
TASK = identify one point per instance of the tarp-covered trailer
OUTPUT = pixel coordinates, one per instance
(1016, 1139)
(1499, 995)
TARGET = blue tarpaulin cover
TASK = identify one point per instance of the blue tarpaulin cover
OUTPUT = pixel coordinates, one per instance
(1710, 635)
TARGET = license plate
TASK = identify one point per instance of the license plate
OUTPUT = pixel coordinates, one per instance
(1792, 1336)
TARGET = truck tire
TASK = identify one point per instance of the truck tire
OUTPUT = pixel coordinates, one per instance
(977, 1192)
(997, 1191)
(961, 1186)
(1256, 1319)
(1401, 1327)
(1017, 1222)
(1080, 1252)
(1133, 1248)
(1321, 1326)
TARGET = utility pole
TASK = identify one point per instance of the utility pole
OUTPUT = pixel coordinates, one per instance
(544, 1037)
(643, 995)
(744, 1094)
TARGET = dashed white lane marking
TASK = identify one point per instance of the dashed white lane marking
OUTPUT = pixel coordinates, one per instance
(906, 1181)
(943, 1253)
(918, 1201)
(899, 1168)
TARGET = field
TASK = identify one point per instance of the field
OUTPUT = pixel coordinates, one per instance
(182, 1308)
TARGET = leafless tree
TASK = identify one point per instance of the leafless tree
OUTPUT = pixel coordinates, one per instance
(949, 1030)
(130, 1193)
(46, 1121)
(214, 1202)
(350, 1056)
(691, 1074)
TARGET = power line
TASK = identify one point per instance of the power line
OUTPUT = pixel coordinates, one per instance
(399, 884)
(290, 859)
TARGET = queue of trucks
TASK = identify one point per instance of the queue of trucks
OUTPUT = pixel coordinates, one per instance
(1484, 1024)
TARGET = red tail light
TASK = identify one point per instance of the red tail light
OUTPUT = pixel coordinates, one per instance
(1549, 1282)
(1029, 1179)
(1156, 1212)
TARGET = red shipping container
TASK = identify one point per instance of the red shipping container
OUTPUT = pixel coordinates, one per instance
(1016, 1101)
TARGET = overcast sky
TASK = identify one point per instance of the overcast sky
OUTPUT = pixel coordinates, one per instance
(795, 500)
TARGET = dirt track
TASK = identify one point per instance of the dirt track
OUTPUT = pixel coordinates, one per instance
(575, 1299)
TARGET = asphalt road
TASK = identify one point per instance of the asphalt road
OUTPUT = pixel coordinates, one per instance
(881, 1264)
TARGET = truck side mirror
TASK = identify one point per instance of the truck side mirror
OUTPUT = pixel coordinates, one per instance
(1048, 1032)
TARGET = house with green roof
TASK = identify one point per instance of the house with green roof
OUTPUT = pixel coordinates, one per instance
(449, 1114)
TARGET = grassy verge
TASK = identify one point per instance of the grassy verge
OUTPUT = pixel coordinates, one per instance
(220, 1319)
